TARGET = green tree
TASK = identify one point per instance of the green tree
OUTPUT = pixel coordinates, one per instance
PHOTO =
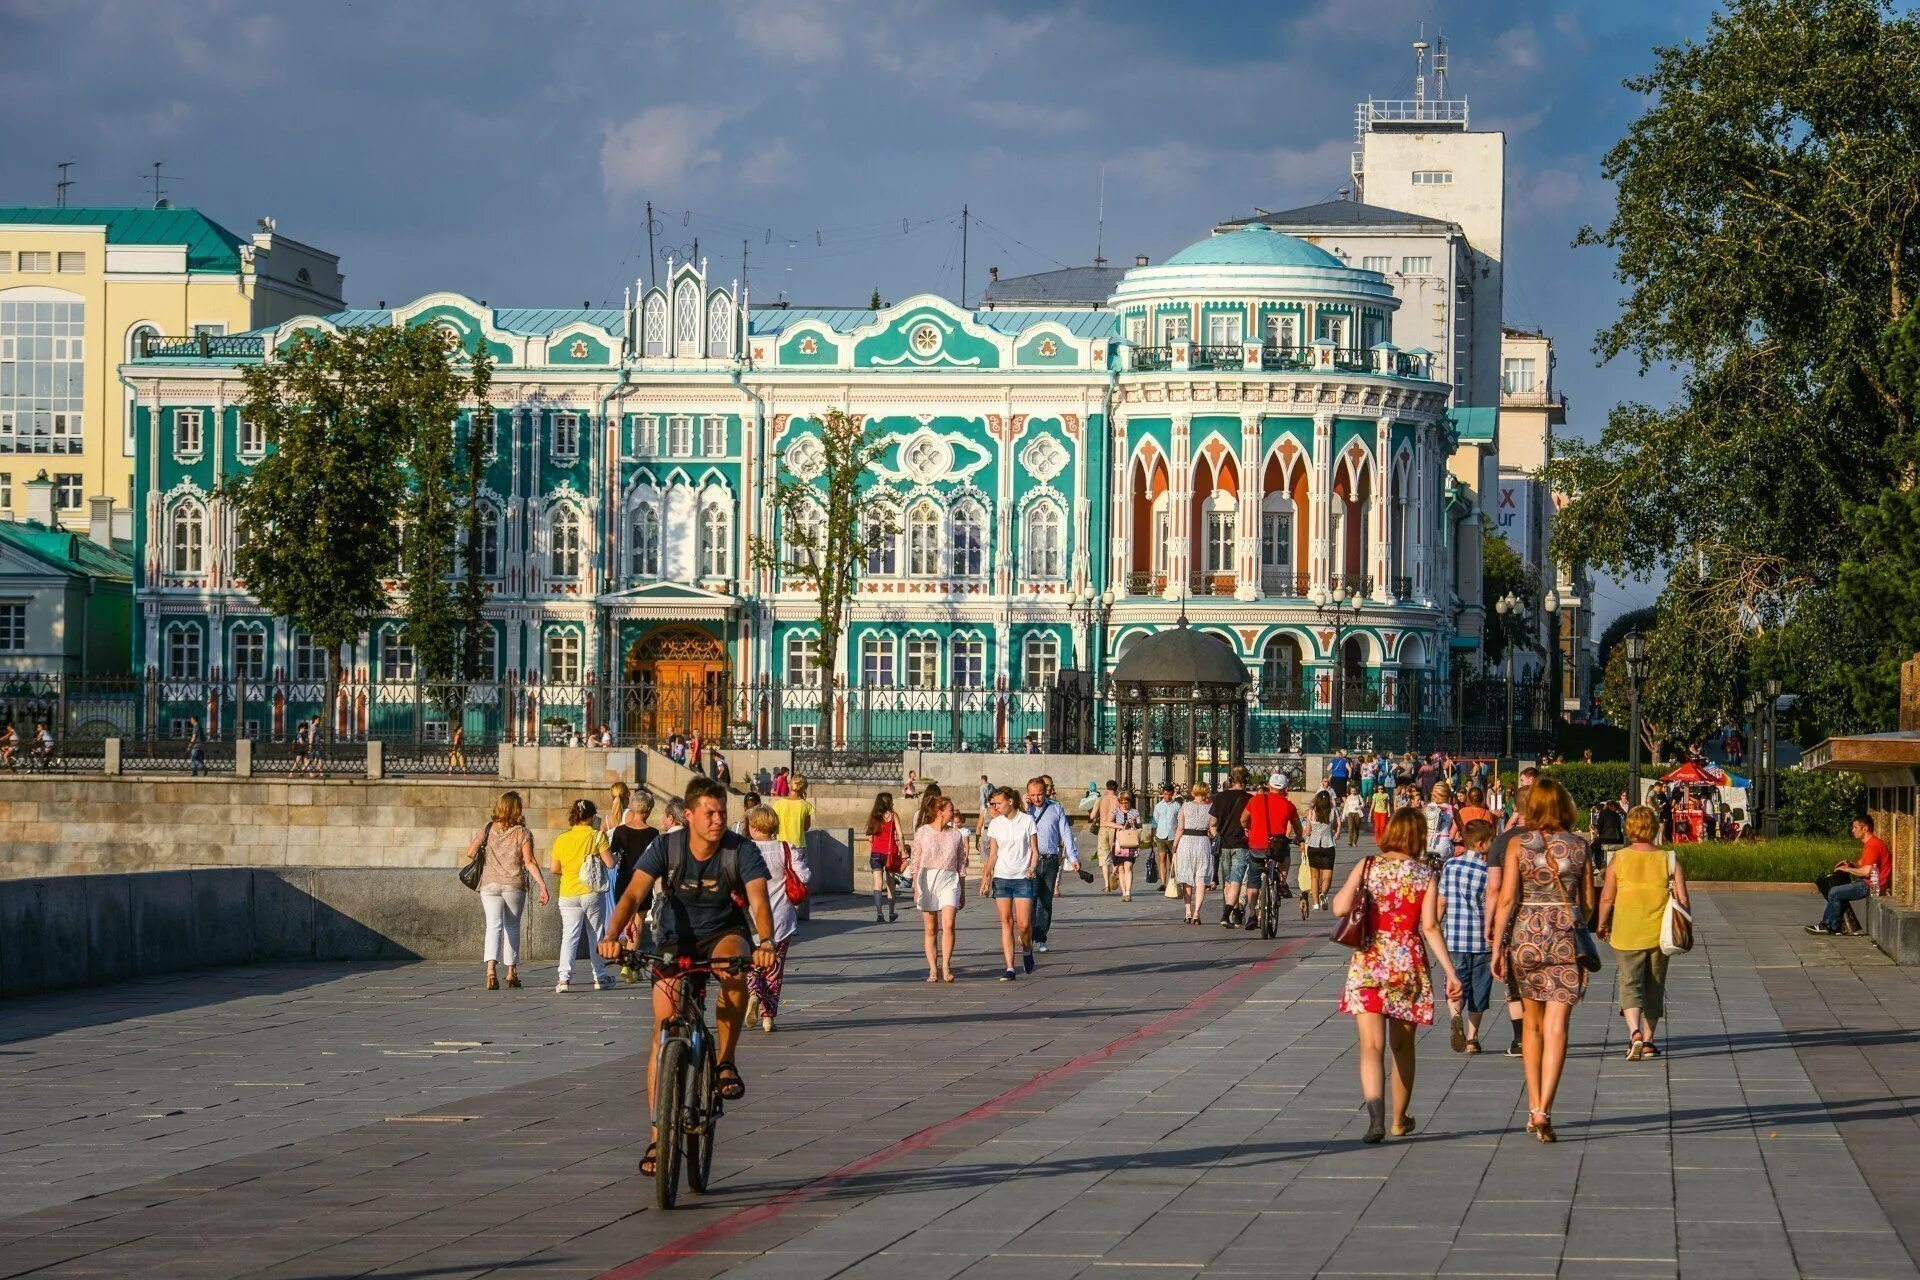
(1697, 672)
(826, 532)
(874, 303)
(472, 591)
(1768, 230)
(1502, 573)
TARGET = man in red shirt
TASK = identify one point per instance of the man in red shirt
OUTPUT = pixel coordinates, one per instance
(1873, 873)
(1272, 821)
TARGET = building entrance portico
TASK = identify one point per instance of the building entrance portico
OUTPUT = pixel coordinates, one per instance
(675, 681)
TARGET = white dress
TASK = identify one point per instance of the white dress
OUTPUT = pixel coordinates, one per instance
(1193, 854)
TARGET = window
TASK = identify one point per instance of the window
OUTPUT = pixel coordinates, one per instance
(803, 736)
(309, 658)
(6, 261)
(566, 436)
(564, 544)
(803, 661)
(806, 530)
(969, 662)
(1276, 544)
(1280, 666)
(487, 654)
(713, 437)
(883, 551)
(876, 662)
(686, 319)
(183, 653)
(646, 437)
(396, 657)
(680, 437)
(72, 263)
(489, 540)
(1282, 333)
(923, 662)
(655, 325)
(188, 435)
(66, 491)
(1516, 375)
(36, 263)
(720, 328)
(253, 438)
(42, 375)
(1433, 177)
(923, 540)
(1382, 263)
(969, 542)
(1220, 535)
(1175, 329)
(488, 430)
(563, 658)
(13, 627)
(209, 329)
(1420, 265)
(1330, 327)
(1137, 330)
(716, 535)
(249, 654)
(643, 542)
(1041, 661)
(1223, 330)
(6, 491)
(188, 539)
(1044, 549)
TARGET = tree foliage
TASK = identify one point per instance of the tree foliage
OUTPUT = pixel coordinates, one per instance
(1697, 671)
(1768, 230)
(1503, 572)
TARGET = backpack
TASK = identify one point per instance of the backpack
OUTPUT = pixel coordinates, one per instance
(593, 872)
(680, 859)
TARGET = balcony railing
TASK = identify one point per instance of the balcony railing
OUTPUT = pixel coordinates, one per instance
(1286, 358)
(1282, 582)
(1352, 360)
(1352, 584)
(1146, 584)
(203, 346)
(1403, 588)
(1153, 358)
(1224, 357)
(1411, 366)
(1211, 584)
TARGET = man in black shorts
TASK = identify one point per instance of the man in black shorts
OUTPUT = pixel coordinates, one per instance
(715, 887)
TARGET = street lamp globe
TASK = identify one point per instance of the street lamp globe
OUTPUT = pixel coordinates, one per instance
(1106, 599)
(1318, 596)
(1773, 690)
(1552, 603)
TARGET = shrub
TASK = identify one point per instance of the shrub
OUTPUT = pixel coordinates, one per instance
(1592, 784)
(1817, 803)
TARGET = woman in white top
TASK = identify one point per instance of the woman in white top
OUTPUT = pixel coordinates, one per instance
(1352, 816)
(1321, 837)
(763, 985)
(1012, 853)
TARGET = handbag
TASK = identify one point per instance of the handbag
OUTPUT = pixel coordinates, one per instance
(1676, 922)
(475, 866)
(1130, 838)
(1355, 928)
(796, 887)
(593, 872)
(1586, 952)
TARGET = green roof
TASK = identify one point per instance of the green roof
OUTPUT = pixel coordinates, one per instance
(210, 246)
(69, 552)
(1254, 246)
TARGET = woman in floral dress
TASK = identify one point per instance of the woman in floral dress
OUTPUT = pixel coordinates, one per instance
(1388, 992)
(1546, 893)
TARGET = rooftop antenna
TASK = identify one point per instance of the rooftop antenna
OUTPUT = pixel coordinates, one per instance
(1100, 229)
(650, 258)
(1420, 66)
(156, 178)
(1439, 65)
(60, 187)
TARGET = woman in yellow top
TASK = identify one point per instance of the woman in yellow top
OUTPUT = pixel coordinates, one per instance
(583, 892)
(1632, 902)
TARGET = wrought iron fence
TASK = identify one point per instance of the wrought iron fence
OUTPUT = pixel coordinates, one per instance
(203, 346)
(1220, 357)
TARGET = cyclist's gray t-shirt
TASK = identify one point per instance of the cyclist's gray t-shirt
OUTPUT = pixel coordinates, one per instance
(702, 906)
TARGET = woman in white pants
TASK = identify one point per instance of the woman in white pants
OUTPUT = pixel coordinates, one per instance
(508, 849)
(583, 861)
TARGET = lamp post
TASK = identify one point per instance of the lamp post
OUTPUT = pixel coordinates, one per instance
(1757, 758)
(1551, 604)
(1341, 605)
(1506, 606)
(1770, 824)
(1636, 676)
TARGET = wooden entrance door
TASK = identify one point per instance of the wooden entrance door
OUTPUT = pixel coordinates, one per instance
(676, 683)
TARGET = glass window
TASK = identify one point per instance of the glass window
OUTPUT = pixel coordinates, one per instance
(713, 437)
(564, 536)
(1137, 330)
(6, 261)
(183, 653)
(563, 658)
(487, 654)
(803, 661)
(1175, 329)
(489, 540)
(646, 436)
(1516, 375)
(309, 658)
(189, 538)
(1418, 265)
(66, 491)
(923, 662)
(720, 328)
(13, 627)
(1382, 263)
(680, 437)
(969, 542)
(396, 656)
(1432, 177)
(187, 433)
(876, 662)
(1330, 327)
(253, 437)
(883, 552)
(716, 531)
(1276, 539)
(1044, 544)
(923, 540)
(969, 662)
(1223, 330)
(566, 435)
(643, 542)
(250, 654)
(1042, 661)
(42, 375)
(1282, 333)
(6, 492)
(655, 324)
(1220, 532)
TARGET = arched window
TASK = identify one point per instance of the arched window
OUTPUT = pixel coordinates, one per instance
(716, 530)
(1040, 660)
(1276, 545)
(686, 319)
(719, 326)
(563, 657)
(806, 532)
(1280, 668)
(643, 541)
(923, 540)
(396, 656)
(249, 645)
(184, 652)
(489, 551)
(563, 543)
(1222, 529)
(188, 538)
(654, 321)
(803, 661)
(969, 662)
(1044, 548)
(923, 662)
(968, 548)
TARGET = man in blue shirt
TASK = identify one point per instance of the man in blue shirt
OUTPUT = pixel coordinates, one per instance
(1339, 769)
(1166, 826)
(1056, 848)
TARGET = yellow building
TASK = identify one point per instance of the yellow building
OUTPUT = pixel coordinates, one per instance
(80, 290)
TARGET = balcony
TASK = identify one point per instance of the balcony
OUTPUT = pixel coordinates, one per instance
(1403, 588)
(1150, 358)
(1352, 360)
(1285, 358)
(1211, 584)
(202, 346)
(1146, 584)
(1351, 584)
(1222, 357)
(1280, 582)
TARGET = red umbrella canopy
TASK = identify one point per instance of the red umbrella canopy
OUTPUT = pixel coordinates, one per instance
(1693, 775)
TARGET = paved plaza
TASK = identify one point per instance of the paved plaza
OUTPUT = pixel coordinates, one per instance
(1157, 1101)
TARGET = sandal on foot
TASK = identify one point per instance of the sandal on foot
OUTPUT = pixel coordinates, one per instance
(1542, 1128)
(1637, 1049)
(649, 1162)
(1457, 1037)
(1403, 1128)
(732, 1087)
(1648, 1049)
(1374, 1133)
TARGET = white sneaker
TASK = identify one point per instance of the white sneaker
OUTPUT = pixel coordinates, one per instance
(561, 987)
(1041, 947)
(601, 984)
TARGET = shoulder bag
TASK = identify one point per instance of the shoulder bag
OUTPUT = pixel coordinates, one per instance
(1131, 837)
(1355, 928)
(476, 866)
(1676, 922)
(593, 872)
(796, 887)
(1586, 952)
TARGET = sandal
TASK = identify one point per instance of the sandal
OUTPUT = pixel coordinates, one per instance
(1649, 1050)
(649, 1163)
(1374, 1133)
(1542, 1128)
(1402, 1129)
(732, 1087)
(1637, 1049)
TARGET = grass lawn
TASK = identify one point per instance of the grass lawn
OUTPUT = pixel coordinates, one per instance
(1784, 858)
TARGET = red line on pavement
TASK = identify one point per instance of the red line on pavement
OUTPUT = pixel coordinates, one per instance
(699, 1241)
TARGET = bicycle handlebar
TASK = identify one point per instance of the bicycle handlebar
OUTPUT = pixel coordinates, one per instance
(682, 965)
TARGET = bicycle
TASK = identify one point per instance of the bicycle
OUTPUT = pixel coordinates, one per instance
(1268, 899)
(687, 1103)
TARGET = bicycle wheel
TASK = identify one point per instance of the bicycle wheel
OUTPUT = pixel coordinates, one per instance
(702, 1108)
(669, 1119)
(1269, 907)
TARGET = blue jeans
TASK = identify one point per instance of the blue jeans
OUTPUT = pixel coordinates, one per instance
(1241, 867)
(1837, 899)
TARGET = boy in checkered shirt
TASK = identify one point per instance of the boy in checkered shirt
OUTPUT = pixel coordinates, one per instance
(1469, 888)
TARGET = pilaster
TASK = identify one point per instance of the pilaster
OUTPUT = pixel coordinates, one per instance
(1252, 478)
(1180, 507)
(1320, 566)
(1382, 512)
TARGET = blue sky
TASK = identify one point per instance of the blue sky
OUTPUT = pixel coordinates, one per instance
(506, 151)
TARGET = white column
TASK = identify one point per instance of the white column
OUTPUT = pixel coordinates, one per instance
(1120, 496)
(1320, 565)
(1252, 477)
(1382, 511)
(1179, 506)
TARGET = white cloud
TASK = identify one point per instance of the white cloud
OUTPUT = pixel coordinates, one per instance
(1519, 48)
(771, 165)
(659, 148)
(787, 31)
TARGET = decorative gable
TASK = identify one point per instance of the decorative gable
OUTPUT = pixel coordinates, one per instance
(925, 333)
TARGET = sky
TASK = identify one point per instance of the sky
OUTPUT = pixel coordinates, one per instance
(508, 151)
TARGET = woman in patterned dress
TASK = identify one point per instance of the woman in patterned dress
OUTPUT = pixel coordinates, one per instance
(1387, 990)
(1546, 893)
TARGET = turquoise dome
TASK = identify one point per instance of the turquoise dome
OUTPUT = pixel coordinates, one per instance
(1253, 246)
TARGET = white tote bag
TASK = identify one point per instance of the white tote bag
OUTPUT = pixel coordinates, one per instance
(1676, 922)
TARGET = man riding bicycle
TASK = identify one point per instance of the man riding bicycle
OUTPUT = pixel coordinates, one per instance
(714, 886)
(1273, 823)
